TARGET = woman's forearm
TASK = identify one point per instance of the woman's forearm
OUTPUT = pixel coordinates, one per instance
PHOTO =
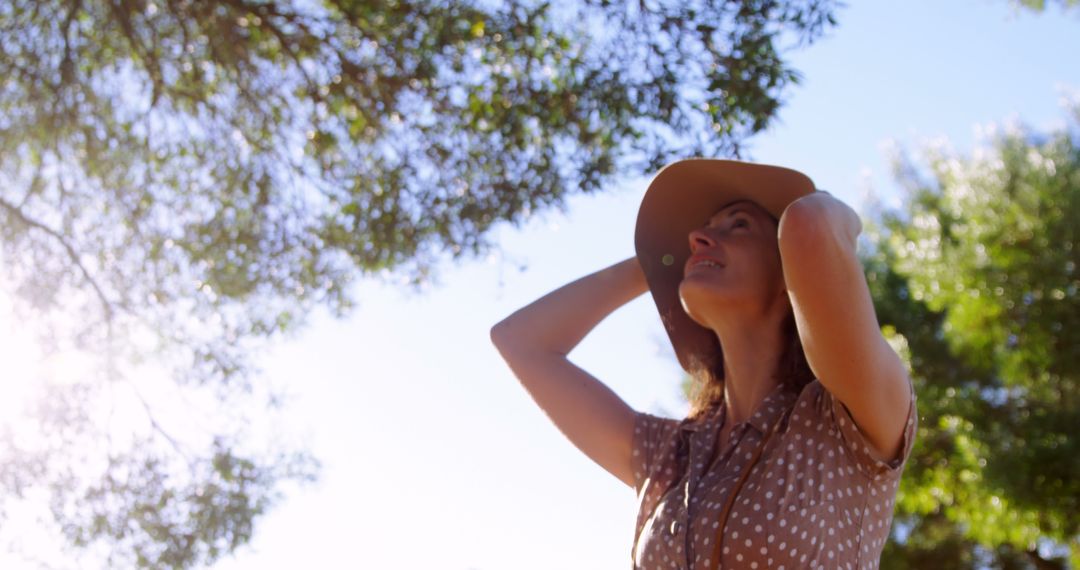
(559, 320)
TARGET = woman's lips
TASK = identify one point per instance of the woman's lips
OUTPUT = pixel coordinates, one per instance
(699, 266)
(699, 258)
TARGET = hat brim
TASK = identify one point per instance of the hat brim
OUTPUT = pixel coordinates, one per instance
(681, 197)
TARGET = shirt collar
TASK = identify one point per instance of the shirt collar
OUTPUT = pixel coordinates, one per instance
(779, 400)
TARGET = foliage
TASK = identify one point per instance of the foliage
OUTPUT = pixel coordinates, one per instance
(1040, 5)
(978, 278)
(185, 180)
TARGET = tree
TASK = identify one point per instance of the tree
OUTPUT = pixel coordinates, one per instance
(977, 281)
(185, 181)
(979, 277)
(1040, 5)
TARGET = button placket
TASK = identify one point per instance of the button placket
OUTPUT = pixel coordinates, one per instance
(706, 480)
(671, 504)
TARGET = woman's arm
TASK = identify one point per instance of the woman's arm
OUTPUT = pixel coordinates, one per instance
(535, 341)
(559, 320)
(836, 320)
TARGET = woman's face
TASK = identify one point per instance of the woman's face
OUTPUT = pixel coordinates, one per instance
(742, 237)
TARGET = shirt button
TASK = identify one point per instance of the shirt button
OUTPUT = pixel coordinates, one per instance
(674, 527)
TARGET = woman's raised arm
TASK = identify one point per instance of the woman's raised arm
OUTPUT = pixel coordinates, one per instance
(535, 341)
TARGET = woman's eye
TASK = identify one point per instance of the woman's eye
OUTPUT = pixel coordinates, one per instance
(739, 221)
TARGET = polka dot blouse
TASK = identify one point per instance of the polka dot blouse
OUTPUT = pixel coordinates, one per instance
(818, 497)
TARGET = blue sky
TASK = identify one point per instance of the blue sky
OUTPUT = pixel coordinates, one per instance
(434, 455)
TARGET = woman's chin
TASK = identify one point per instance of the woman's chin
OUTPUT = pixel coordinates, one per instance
(701, 286)
(694, 300)
(698, 293)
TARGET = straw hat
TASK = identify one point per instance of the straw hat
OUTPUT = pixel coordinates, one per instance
(682, 197)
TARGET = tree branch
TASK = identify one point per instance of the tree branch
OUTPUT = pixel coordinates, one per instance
(67, 66)
(156, 426)
(18, 214)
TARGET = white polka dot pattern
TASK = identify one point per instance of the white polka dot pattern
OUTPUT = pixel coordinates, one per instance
(819, 497)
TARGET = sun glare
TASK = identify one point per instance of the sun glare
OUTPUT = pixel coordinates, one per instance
(19, 356)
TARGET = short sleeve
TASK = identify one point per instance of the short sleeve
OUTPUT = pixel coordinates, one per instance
(653, 445)
(866, 459)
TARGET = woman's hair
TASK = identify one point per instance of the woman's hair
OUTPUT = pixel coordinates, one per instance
(707, 373)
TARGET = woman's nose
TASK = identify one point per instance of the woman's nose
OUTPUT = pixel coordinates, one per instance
(700, 238)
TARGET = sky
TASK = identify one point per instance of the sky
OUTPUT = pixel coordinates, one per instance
(435, 457)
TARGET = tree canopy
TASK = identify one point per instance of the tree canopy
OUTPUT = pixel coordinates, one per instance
(186, 180)
(975, 282)
(1040, 5)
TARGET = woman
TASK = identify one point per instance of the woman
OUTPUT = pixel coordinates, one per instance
(799, 427)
